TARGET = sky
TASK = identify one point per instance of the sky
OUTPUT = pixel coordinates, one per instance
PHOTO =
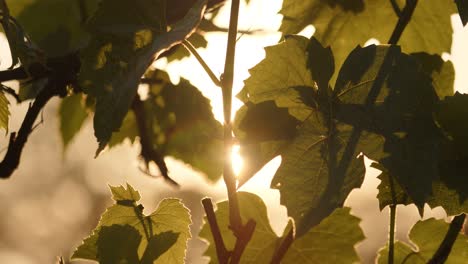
(50, 206)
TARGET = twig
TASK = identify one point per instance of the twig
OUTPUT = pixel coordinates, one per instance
(403, 21)
(15, 74)
(205, 66)
(148, 151)
(445, 247)
(10, 91)
(243, 239)
(280, 252)
(17, 141)
(396, 8)
(235, 220)
(221, 251)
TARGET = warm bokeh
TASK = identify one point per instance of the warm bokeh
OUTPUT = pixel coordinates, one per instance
(54, 199)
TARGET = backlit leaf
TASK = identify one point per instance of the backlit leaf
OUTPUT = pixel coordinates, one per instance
(313, 247)
(345, 24)
(427, 244)
(123, 225)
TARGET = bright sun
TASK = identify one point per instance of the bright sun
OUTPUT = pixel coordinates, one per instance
(236, 160)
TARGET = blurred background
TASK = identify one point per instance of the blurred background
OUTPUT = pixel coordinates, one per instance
(55, 198)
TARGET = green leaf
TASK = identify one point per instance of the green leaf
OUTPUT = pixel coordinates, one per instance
(118, 243)
(72, 113)
(128, 129)
(345, 24)
(319, 167)
(4, 112)
(126, 37)
(52, 37)
(427, 244)
(164, 232)
(284, 66)
(463, 10)
(442, 72)
(330, 234)
(182, 124)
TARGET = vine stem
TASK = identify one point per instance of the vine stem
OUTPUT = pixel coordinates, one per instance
(227, 80)
(445, 247)
(404, 17)
(221, 251)
(391, 239)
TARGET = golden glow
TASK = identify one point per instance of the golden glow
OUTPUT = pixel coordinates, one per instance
(236, 160)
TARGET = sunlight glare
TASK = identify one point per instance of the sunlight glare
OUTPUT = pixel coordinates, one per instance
(236, 160)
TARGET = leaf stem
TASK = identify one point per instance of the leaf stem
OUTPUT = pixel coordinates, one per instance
(445, 247)
(227, 80)
(202, 62)
(221, 251)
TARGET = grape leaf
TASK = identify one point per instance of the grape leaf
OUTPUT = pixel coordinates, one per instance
(442, 72)
(463, 10)
(160, 237)
(52, 37)
(337, 238)
(306, 249)
(126, 38)
(72, 113)
(344, 24)
(128, 129)
(427, 244)
(182, 124)
(4, 112)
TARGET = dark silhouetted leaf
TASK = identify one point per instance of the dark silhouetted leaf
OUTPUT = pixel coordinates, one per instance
(463, 10)
(442, 72)
(72, 113)
(169, 222)
(427, 244)
(53, 37)
(126, 38)
(315, 246)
